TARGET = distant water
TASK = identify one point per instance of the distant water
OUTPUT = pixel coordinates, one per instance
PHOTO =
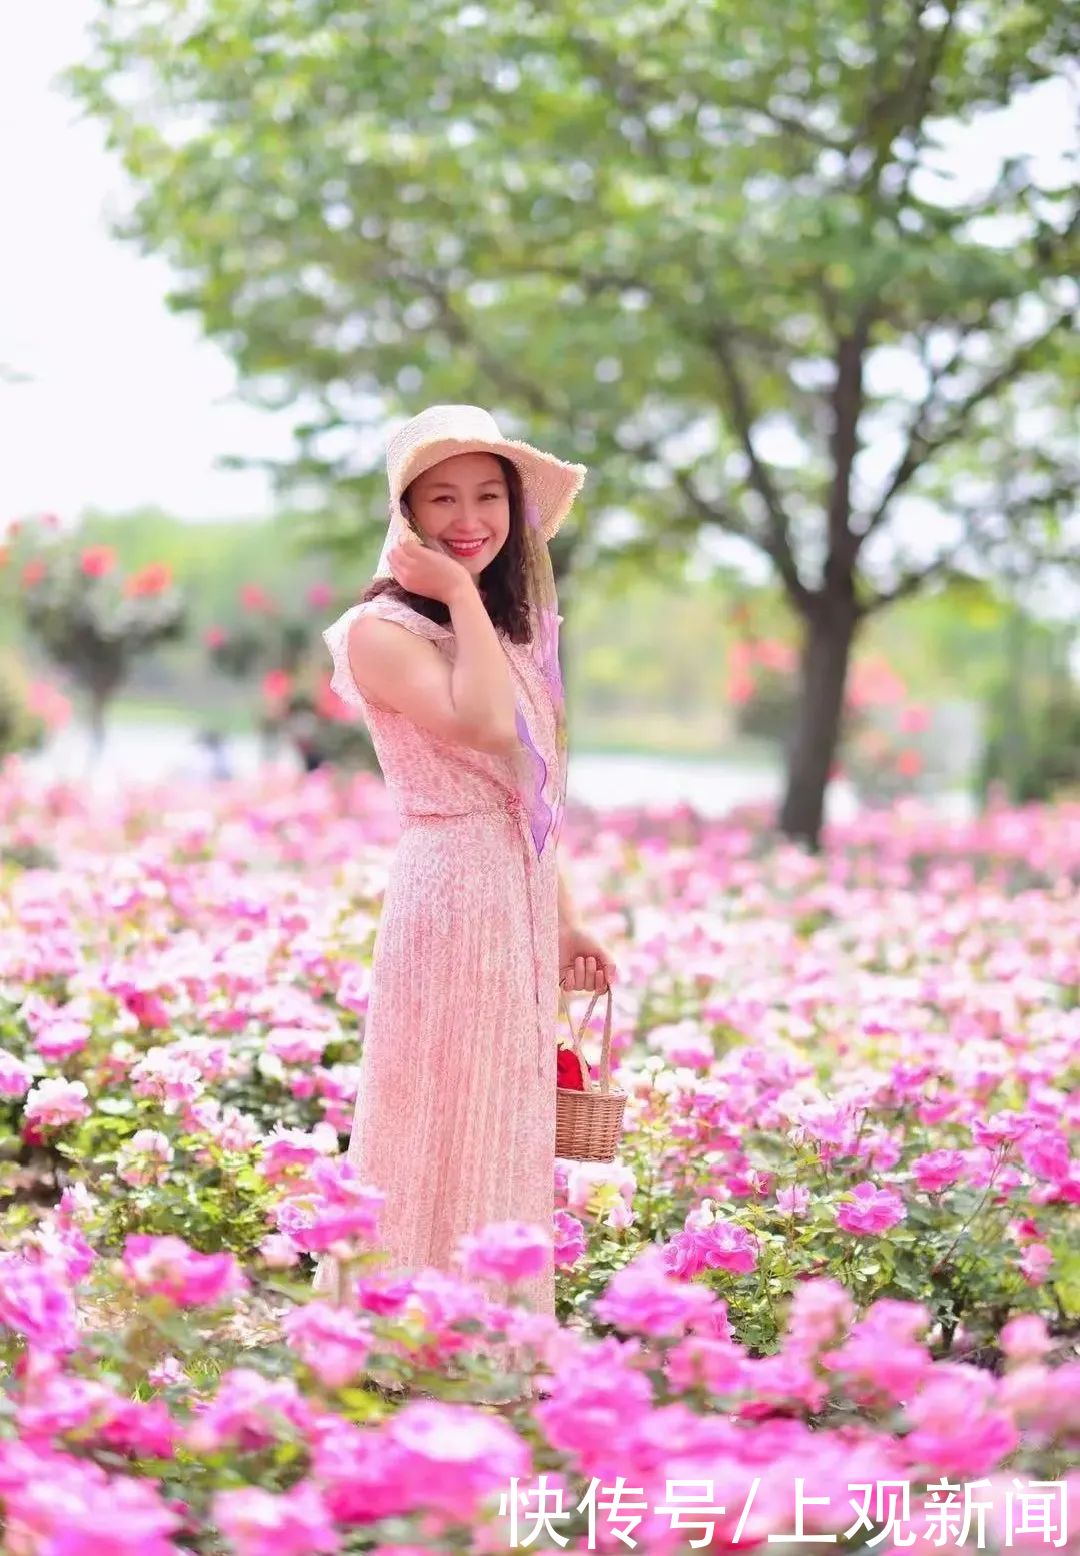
(146, 752)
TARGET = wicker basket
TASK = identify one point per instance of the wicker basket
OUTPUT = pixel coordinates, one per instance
(588, 1123)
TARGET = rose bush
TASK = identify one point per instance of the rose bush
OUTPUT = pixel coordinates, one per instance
(836, 1251)
(91, 620)
(886, 746)
(273, 642)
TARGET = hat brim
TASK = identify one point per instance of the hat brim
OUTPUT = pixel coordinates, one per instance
(551, 483)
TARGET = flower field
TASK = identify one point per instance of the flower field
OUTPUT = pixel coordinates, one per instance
(829, 1292)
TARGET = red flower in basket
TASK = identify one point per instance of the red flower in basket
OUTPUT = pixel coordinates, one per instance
(568, 1073)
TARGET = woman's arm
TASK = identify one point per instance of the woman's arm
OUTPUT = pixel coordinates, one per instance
(584, 963)
(481, 687)
(471, 700)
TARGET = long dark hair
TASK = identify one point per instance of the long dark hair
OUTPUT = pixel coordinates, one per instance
(502, 583)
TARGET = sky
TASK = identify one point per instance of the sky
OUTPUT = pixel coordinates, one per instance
(125, 403)
(119, 402)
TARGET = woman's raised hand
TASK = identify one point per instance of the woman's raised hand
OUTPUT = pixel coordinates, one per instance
(429, 571)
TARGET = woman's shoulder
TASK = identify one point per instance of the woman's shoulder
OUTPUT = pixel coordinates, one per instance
(382, 607)
(389, 607)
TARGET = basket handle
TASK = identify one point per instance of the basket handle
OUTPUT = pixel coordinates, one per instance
(604, 1085)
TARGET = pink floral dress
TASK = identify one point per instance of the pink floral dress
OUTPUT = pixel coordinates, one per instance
(455, 1114)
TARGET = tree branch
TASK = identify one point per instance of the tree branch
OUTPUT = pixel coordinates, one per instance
(626, 88)
(847, 405)
(922, 445)
(787, 124)
(629, 89)
(596, 283)
(498, 368)
(1024, 505)
(920, 84)
(906, 107)
(911, 582)
(742, 415)
(777, 544)
(725, 518)
(776, 548)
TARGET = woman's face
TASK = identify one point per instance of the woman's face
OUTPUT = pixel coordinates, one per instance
(463, 504)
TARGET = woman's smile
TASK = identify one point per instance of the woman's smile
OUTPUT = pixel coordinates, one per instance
(466, 547)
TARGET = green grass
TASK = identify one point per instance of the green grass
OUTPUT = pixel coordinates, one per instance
(138, 710)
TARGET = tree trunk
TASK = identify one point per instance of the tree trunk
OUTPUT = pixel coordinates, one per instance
(98, 706)
(830, 632)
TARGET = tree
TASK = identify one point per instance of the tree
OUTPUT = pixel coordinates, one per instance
(677, 240)
(92, 621)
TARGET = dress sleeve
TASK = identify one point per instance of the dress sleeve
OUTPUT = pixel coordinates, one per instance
(336, 638)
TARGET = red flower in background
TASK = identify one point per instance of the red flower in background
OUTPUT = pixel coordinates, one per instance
(254, 598)
(215, 636)
(97, 560)
(154, 579)
(775, 655)
(320, 594)
(740, 686)
(874, 684)
(748, 655)
(276, 685)
(33, 572)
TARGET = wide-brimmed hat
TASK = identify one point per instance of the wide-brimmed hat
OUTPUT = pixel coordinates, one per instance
(550, 484)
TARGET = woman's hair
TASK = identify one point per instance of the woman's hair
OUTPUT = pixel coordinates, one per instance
(502, 583)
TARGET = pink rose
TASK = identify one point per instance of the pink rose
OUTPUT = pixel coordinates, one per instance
(267, 1523)
(871, 1211)
(332, 1341)
(1035, 1263)
(55, 1102)
(508, 1251)
(642, 1298)
(937, 1170)
(168, 1267)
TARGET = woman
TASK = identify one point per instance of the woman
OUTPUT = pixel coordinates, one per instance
(452, 656)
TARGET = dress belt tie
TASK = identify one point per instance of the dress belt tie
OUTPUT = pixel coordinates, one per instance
(513, 806)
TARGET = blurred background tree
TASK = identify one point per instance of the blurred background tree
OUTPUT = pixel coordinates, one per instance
(270, 640)
(92, 621)
(711, 250)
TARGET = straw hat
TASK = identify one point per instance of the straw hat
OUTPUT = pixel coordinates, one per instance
(441, 431)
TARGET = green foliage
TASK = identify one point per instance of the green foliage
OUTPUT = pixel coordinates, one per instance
(213, 1197)
(650, 654)
(21, 727)
(617, 225)
(1040, 759)
(650, 237)
(947, 643)
(644, 653)
(91, 621)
